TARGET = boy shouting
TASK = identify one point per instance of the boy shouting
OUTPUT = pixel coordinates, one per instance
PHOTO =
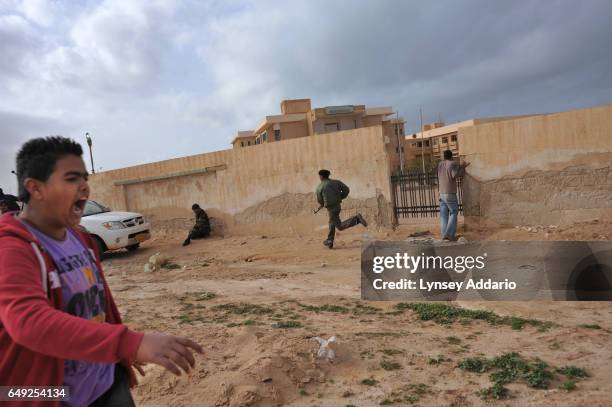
(59, 324)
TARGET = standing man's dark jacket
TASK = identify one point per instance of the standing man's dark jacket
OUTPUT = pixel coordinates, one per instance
(331, 192)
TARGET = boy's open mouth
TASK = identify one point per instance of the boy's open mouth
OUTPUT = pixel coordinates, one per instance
(79, 206)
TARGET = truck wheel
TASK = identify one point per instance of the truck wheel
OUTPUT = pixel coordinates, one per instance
(100, 245)
(133, 247)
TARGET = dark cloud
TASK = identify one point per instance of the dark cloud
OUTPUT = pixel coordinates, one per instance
(453, 58)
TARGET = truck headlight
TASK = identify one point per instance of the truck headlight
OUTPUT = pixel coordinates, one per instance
(114, 225)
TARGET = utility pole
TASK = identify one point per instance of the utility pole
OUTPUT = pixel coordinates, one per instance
(400, 144)
(422, 140)
(89, 143)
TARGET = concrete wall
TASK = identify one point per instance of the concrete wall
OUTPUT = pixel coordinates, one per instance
(547, 169)
(266, 188)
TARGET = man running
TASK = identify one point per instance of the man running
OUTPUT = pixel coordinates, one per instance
(330, 194)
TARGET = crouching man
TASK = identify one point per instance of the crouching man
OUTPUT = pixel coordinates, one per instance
(202, 225)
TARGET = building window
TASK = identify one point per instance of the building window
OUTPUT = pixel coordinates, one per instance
(454, 137)
(402, 149)
(277, 135)
(249, 143)
(444, 140)
(420, 144)
(395, 130)
(426, 143)
(242, 144)
(264, 137)
(435, 142)
(257, 140)
(401, 131)
(397, 149)
(331, 127)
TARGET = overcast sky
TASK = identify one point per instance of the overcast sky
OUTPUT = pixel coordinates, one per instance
(157, 79)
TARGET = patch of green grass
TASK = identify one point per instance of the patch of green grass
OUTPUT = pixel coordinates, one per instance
(361, 309)
(590, 326)
(247, 322)
(243, 308)
(185, 319)
(511, 367)
(325, 308)
(392, 352)
(573, 372)
(453, 340)
(387, 365)
(446, 314)
(438, 360)
(476, 365)
(568, 385)
(538, 376)
(287, 324)
(169, 265)
(497, 392)
(303, 392)
(369, 382)
(410, 393)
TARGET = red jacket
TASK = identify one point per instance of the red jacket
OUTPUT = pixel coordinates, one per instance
(35, 334)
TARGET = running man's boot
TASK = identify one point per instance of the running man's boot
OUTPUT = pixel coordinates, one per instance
(362, 220)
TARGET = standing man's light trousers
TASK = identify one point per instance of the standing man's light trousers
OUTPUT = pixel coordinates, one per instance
(449, 210)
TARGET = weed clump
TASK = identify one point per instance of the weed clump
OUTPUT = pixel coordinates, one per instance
(445, 314)
(511, 367)
(243, 308)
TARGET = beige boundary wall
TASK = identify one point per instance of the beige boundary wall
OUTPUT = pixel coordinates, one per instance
(266, 188)
(548, 169)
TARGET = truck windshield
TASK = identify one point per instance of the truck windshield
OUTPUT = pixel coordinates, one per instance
(94, 208)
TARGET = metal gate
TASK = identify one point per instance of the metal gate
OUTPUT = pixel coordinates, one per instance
(415, 194)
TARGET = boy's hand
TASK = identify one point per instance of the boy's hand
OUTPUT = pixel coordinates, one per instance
(139, 366)
(167, 351)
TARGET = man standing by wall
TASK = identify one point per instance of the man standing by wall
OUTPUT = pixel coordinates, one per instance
(448, 172)
(330, 194)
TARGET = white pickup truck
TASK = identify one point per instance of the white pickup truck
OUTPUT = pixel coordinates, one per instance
(114, 230)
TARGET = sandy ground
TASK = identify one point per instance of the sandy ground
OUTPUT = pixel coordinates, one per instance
(231, 294)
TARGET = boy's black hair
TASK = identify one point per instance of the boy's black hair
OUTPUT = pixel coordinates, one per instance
(448, 155)
(195, 206)
(324, 173)
(36, 159)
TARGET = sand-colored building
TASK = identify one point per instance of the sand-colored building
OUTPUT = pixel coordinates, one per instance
(299, 119)
(244, 139)
(430, 144)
